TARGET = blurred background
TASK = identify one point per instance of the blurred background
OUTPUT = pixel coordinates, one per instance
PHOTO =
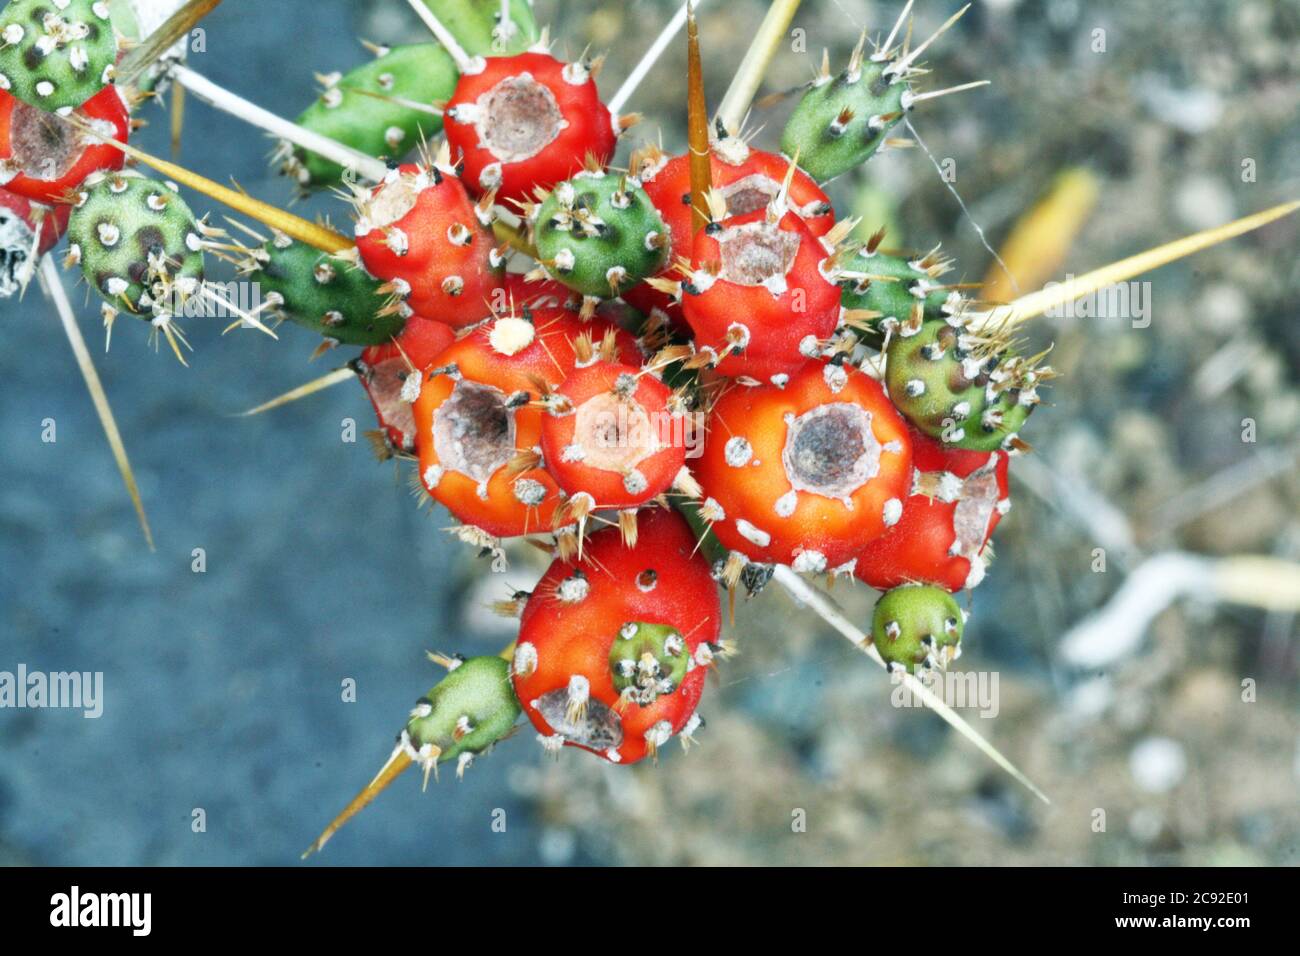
(1133, 691)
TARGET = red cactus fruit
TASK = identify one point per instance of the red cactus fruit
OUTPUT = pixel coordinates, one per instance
(612, 437)
(383, 370)
(958, 497)
(758, 298)
(612, 652)
(43, 157)
(748, 179)
(420, 231)
(806, 474)
(527, 121)
(478, 418)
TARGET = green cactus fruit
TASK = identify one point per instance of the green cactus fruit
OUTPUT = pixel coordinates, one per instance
(137, 243)
(598, 233)
(967, 391)
(468, 711)
(310, 288)
(881, 290)
(841, 121)
(56, 54)
(917, 626)
(365, 109)
(477, 25)
(647, 660)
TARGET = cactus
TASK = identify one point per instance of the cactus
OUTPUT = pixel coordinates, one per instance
(885, 289)
(527, 121)
(464, 714)
(367, 109)
(577, 630)
(528, 420)
(917, 627)
(421, 232)
(137, 242)
(842, 121)
(967, 390)
(612, 438)
(806, 474)
(45, 159)
(332, 297)
(478, 27)
(56, 55)
(598, 233)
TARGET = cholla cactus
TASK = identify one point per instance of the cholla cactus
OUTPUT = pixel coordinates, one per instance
(861, 415)
(56, 54)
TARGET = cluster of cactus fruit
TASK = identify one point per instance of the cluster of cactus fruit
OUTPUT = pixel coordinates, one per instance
(853, 420)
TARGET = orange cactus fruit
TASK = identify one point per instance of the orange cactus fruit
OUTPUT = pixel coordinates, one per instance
(613, 650)
(384, 369)
(612, 432)
(806, 474)
(478, 417)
